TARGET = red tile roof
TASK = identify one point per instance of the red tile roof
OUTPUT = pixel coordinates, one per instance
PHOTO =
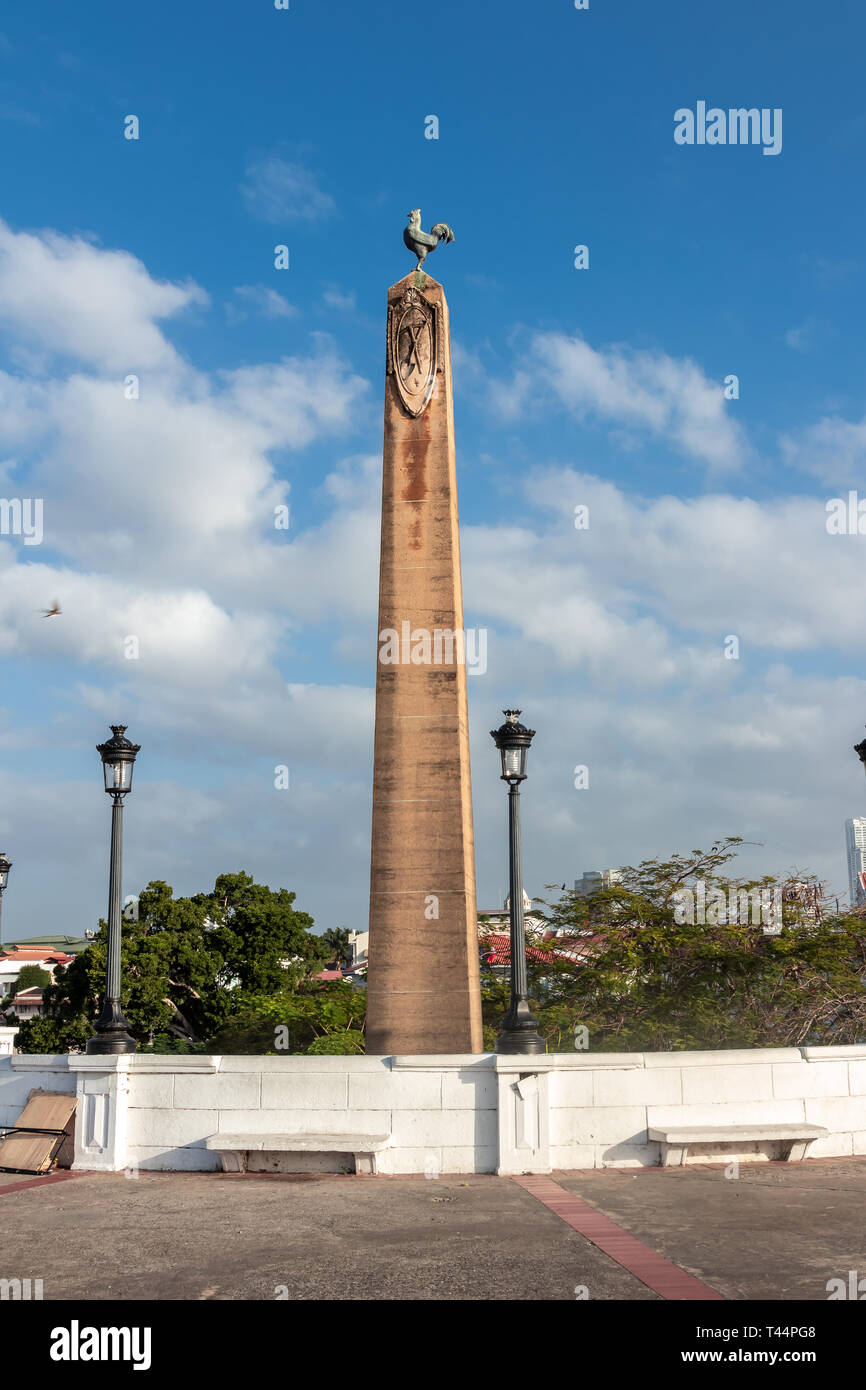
(499, 952)
(36, 957)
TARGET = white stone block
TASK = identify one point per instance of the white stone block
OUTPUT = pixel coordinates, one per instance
(302, 1122)
(14, 1093)
(626, 1124)
(714, 1085)
(299, 1091)
(628, 1155)
(579, 1060)
(833, 1146)
(469, 1089)
(15, 1088)
(62, 1062)
(170, 1128)
(236, 1090)
(469, 1158)
(178, 1160)
(436, 1128)
(843, 1114)
(395, 1090)
(744, 1112)
(858, 1141)
(302, 1065)
(724, 1057)
(411, 1160)
(155, 1064)
(796, 1079)
(566, 1156)
(447, 1061)
(652, 1086)
(151, 1091)
(845, 1051)
(573, 1088)
(856, 1079)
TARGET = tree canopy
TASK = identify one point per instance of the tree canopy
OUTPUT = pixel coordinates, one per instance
(234, 970)
(241, 959)
(32, 976)
(648, 979)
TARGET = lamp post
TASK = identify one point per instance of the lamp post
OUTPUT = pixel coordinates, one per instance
(5, 866)
(118, 756)
(519, 1028)
(860, 750)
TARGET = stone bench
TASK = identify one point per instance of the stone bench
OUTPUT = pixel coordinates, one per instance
(677, 1139)
(235, 1148)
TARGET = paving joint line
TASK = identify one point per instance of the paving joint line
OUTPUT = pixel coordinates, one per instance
(662, 1276)
(38, 1181)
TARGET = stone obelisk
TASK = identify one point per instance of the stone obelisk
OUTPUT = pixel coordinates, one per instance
(423, 975)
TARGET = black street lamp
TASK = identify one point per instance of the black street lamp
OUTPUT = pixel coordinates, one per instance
(860, 750)
(519, 1028)
(5, 866)
(112, 1029)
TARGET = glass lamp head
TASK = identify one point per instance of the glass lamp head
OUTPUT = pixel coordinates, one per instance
(118, 759)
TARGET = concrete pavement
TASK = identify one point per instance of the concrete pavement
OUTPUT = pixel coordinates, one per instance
(777, 1231)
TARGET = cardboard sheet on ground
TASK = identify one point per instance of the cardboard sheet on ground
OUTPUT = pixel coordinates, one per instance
(35, 1153)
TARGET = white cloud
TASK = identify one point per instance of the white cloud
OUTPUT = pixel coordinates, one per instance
(264, 300)
(631, 597)
(277, 190)
(833, 450)
(800, 339)
(71, 297)
(641, 393)
(334, 298)
(666, 396)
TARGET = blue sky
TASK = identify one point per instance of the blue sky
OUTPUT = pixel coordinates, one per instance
(599, 387)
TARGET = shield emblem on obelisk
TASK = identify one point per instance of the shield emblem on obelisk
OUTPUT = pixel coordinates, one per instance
(413, 350)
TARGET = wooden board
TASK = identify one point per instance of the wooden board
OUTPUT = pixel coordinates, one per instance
(35, 1153)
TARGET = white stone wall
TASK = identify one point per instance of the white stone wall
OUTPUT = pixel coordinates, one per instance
(441, 1117)
(460, 1114)
(602, 1105)
(51, 1074)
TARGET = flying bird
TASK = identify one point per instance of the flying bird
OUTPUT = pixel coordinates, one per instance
(422, 242)
(53, 611)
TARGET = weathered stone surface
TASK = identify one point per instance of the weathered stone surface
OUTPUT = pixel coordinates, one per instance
(423, 987)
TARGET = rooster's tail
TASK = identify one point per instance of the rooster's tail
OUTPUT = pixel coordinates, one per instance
(442, 231)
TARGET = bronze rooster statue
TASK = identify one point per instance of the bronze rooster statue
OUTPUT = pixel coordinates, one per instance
(421, 242)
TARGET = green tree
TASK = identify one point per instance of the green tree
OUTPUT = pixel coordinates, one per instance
(649, 980)
(296, 1019)
(263, 939)
(31, 976)
(185, 962)
(51, 1035)
(337, 941)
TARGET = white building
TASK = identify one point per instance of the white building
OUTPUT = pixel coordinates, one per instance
(359, 945)
(27, 1004)
(13, 959)
(855, 845)
(594, 879)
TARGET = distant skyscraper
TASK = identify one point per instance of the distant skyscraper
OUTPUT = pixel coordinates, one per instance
(594, 879)
(855, 844)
